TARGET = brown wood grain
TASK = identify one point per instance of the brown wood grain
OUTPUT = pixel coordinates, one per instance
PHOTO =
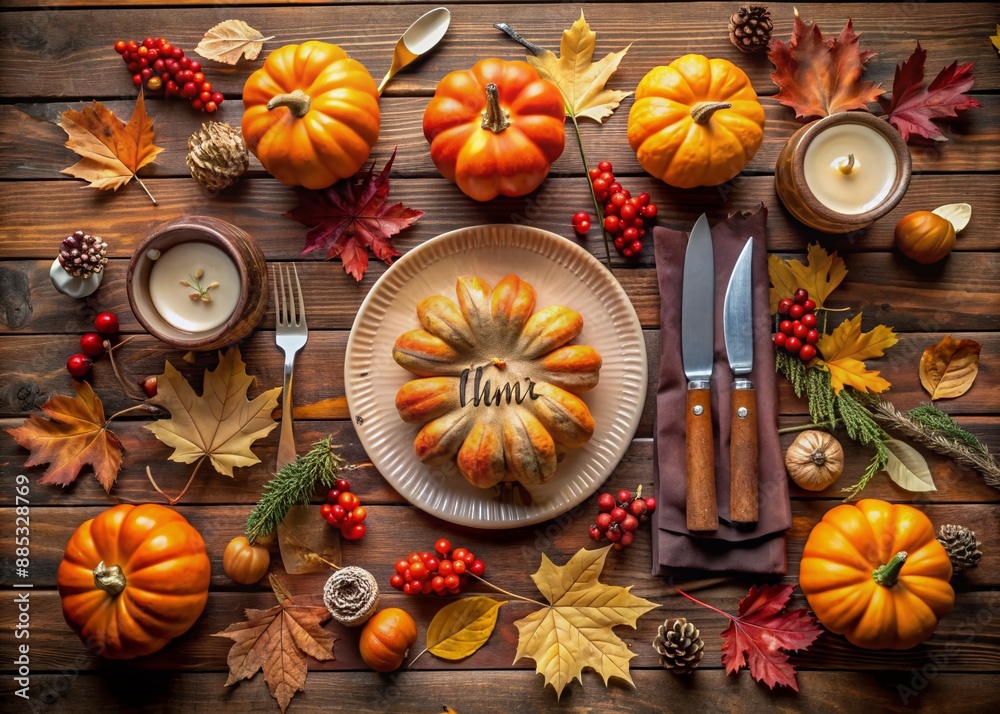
(702, 512)
(743, 463)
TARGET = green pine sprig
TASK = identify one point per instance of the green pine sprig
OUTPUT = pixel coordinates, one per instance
(294, 485)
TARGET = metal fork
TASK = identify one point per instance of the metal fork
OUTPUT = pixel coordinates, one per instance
(291, 335)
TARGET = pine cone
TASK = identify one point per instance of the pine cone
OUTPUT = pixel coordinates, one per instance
(82, 255)
(351, 596)
(750, 28)
(962, 546)
(679, 645)
(217, 156)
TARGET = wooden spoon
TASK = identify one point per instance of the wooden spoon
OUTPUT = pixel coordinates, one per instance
(419, 39)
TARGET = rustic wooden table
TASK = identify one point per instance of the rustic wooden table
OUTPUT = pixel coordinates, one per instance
(51, 57)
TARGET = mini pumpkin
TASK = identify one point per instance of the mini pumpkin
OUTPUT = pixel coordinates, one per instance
(311, 114)
(495, 129)
(875, 573)
(386, 638)
(695, 122)
(498, 383)
(814, 460)
(132, 579)
(925, 237)
(245, 563)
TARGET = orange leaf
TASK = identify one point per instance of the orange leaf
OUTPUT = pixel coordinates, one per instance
(75, 435)
(844, 351)
(820, 276)
(112, 151)
(817, 76)
(949, 368)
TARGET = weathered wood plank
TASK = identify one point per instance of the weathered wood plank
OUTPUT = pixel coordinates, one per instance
(69, 53)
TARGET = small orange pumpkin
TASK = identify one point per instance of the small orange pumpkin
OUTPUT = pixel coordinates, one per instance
(386, 638)
(695, 122)
(132, 579)
(875, 573)
(925, 237)
(311, 114)
(495, 129)
(245, 563)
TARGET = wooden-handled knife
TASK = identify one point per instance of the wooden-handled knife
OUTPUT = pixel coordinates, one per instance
(697, 337)
(737, 312)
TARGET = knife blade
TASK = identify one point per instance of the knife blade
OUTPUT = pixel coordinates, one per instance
(697, 338)
(737, 316)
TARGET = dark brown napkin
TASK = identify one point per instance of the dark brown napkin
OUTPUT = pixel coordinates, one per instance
(760, 549)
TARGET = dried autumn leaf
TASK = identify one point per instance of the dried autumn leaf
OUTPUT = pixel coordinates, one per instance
(995, 39)
(112, 151)
(846, 348)
(305, 548)
(579, 78)
(350, 217)
(277, 641)
(820, 276)
(460, 628)
(220, 424)
(912, 105)
(957, 214)
(817, 76)
(229, 39)
(907, 468)
(949, 368)
(74, 435)
(575, 631)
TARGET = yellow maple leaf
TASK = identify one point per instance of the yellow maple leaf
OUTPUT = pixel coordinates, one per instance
(575, 630)
(995, 39)
(820, 276)
(112, 151)
(844, 351)
(579, 78)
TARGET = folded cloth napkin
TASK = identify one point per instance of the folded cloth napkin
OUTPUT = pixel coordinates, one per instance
(759, 549)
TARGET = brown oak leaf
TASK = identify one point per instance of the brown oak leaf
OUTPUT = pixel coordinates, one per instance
(112, 151)
(352, 216)
(76, 434)
(948, 369)
(230, 40)
(278, 642)
(818, 76)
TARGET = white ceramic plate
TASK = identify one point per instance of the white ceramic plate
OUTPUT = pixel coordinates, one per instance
(562, 273)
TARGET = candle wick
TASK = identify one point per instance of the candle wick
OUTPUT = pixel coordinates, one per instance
(847, 166)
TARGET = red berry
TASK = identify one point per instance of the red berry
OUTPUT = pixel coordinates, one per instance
(414, 558)
(459, 554)
(338, 512)
(600, 185)
(628, 252)
(787, 327)
(432, 564)
(478, 567)
(78, 366)
(333, 496)
(627, 538)
(649, 211)
(205, 97)
(459, 566)
(451, 581)
(582, 228)
(324, 510)
(469, 558)
(342, 484)
(418, 569)
(807, 352)
(637, 507)
(353, 532)
(580, 216)
(402, 565)
(614, 187)
(606, 502)
(618, 515)
(604, 166)
(137, 79)
(650, 505)
(630, 234)
(783, 306)
(445, 567)
(359, 514)
(437, 584)
(195, 66)
(619, 199)
(610, 209)
(397, 582)
(611, 224)
(92, 344)
(407, 589)
(793, 345)
(779, 338)
(624, 496)
(603, 521)
(197, 104)
(643, 199)
(796, 311)
(120, 46)
(106, 323)
(349, 501)
(800, 296)
(613, 534)
(594, 173)
(812, 337)
(630, 523)
(636, 246)
(442, 546)
(809, 305)
(607, 176)
(809, 320)
(619, 242)
(596, 533)
(627, 212)
(799, 330)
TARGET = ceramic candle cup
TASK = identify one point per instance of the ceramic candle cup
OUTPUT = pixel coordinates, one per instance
(225, 255)
(843, 172)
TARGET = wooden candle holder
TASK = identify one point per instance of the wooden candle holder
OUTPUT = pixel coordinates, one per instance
(237, 244)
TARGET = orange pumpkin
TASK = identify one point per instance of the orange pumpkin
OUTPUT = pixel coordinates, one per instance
(132, 579)
(925, 237)
(245, 563)
(386, 639)
(874, 572)
(495, 129)
(311, 114)
(695, 122)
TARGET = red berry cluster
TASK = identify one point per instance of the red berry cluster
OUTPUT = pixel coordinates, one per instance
(619, 518)
(162, 66)
(438, 572)
(92, 345)
(798, 332)
(343, 510)
(626, 217)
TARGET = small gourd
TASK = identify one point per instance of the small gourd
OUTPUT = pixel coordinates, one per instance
(814, 460)
(245, 563)
(386, 639)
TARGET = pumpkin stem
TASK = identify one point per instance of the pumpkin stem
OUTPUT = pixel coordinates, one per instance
(297, 102)
(819, 457)
(703, 111)
(495, 118)
(887, 575)
(110, 580)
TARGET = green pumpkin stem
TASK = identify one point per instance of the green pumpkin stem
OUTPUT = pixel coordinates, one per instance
(703, 111)
(110, 580)
(297, 102)
(887, 575)
(495, 118)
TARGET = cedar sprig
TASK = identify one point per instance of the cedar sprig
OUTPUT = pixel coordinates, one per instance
(294, 485)
(862, 427)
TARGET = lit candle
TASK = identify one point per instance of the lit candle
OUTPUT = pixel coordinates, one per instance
(194, 286)
(850, 168)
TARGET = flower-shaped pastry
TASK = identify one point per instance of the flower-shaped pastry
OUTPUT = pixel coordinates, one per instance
(497, 382)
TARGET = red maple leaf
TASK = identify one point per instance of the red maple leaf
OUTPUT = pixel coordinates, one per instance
(819, 77)
(913, 106)
(761, 635)
(351, 216)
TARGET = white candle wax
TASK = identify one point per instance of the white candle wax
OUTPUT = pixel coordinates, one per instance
(173, 300)
(860, 187)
